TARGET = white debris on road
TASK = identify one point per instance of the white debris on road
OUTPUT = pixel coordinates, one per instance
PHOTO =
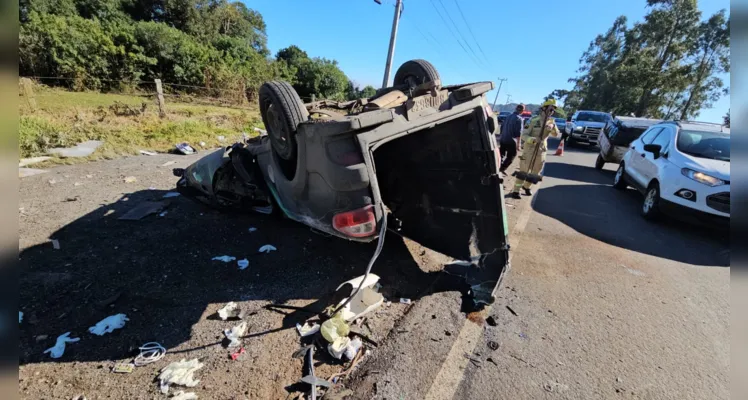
(307, 329)
(235, 334)
(171, 194)
(179, 373)
(56, 244)
(243, 264)
(181, 395)
(59, 348)
(267, 248)
(252, 229)
(109, 324)
(224, 258)
(230, 310)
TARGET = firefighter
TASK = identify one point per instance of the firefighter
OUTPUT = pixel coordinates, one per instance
(533, 158)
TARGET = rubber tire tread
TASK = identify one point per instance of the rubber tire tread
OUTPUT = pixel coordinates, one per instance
(599, 162)
(408, 67)
(284, 95)
(622, 183)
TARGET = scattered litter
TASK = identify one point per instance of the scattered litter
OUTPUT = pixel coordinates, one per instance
(179, 373)
(405, 301)
(230, 310)
(235, 334)
(171, 194)
(493, 345)
(20, 316)
(148, 153)
(335, 328)
(252, 229)
(221, 138)
(523, 335)
(80, 150)
(59, 347)
(185, 149)
(163, 214)
(149, 353)
(365, 301)
(202, 144)
(267, 248)
(40, 338)
(181, 395)
(166, 164)
(235, 356)
(33, 160)
(511, 311)
(306, 329)
(123, 368)
(353, 347)
(243, 264)
(338, 347)
(109, 324)
(51, 181)
(260, 131)
(491, 321)
(144, 209)
(130, 179)
(55, 244)
(224, 258)
(24, 172)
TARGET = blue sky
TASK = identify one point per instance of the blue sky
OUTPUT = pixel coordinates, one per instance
(511, 35)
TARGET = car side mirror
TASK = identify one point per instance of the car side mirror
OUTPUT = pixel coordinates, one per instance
(654, 149)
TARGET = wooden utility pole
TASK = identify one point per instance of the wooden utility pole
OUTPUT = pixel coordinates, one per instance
(501, 82)
(160, 98)
(393, 37)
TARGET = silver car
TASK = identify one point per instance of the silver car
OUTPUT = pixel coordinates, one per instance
(585, 126)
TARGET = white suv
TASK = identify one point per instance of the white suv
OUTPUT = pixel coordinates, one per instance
(683, 169)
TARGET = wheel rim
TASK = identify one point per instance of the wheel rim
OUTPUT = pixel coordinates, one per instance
(277, 130)
(649, 200)
(619, 174)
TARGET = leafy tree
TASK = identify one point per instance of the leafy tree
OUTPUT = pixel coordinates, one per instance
(726, 119)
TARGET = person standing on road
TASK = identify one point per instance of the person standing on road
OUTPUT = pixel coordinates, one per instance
(511, 130)
(533, 136)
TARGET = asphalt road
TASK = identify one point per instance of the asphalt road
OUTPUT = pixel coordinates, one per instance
(599, 304)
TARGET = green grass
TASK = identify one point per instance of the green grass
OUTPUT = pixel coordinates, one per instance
(63, 118)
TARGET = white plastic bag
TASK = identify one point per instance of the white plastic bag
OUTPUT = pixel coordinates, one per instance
(235, 334)
(179, 373)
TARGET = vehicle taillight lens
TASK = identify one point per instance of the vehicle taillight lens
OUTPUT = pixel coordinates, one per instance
(356, 223)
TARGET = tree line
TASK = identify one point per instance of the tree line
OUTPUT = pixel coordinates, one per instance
(114, 44)
(663, 67)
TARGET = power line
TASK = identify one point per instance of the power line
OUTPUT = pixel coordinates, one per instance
(455, 36)
(458, 31)
(434, 42)
(477, 42)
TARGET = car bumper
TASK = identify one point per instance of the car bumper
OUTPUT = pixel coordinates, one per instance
(694, 216)
(584, 137)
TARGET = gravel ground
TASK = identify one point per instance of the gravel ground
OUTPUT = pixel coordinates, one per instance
(158, 271)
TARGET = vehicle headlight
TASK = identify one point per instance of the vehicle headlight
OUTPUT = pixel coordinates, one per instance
(702, 177)
(578, 128)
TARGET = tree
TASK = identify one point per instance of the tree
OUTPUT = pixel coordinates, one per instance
(726, 119)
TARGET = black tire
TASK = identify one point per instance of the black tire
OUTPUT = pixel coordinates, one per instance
(415, 72)
(619, 180)
(651, 207)
(599, 163)
(282, 111)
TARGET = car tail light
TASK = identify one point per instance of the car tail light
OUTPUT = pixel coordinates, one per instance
(356, 223)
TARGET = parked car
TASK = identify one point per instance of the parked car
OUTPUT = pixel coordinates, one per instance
(683, 170)
(585, 126)
(616, 137)
(417, 158)
(503, 115)
(560, 124)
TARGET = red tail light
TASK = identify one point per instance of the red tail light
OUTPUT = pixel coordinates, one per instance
(356, 223)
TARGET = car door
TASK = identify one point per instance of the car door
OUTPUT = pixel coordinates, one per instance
(650, 166)
(635, 164)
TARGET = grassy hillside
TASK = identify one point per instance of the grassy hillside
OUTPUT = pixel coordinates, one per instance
(126, 123)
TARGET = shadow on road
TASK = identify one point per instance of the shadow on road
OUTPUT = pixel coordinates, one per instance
(612, 216)
(159, 272)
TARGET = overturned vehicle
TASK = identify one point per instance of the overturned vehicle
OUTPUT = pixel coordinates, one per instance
(418, 159)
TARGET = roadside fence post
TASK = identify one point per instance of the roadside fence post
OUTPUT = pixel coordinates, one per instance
(160, 98)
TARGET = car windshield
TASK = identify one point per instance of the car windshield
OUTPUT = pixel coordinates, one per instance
(560, 121)
(592, 117)
(714, 145)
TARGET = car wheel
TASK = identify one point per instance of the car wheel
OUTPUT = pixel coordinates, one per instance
(282, 111)
(599, 163)
(651, 203)
(619, 181)
(415, 72)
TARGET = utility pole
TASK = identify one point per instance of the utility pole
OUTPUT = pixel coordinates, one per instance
(501, 82)
(509, 96)
(393, 36)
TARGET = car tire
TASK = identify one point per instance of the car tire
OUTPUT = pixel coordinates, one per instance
(282, 111)
(619, 180)
(651, 203)
(599, 163)
(415, 72)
